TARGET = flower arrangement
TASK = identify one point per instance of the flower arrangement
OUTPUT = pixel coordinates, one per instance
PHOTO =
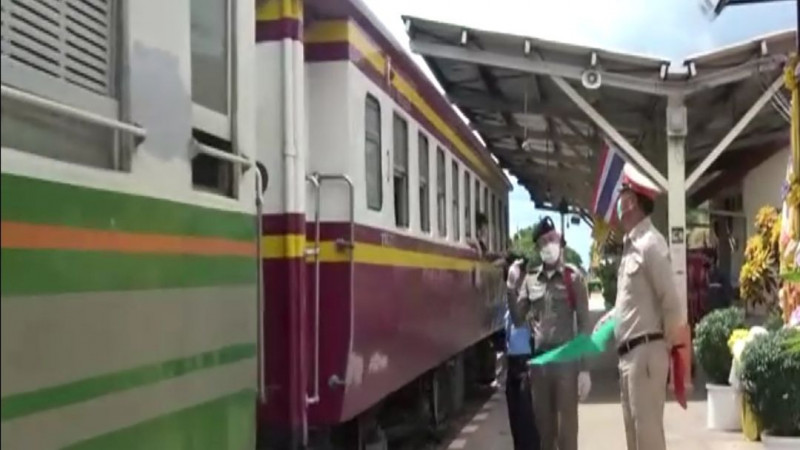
(790, 231)
(769, 377)
(737, 343)
(759, 279)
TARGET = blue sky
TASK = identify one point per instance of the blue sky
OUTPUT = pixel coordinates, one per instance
(667, 28)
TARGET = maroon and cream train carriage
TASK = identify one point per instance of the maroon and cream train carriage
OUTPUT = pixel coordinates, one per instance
(370, 282)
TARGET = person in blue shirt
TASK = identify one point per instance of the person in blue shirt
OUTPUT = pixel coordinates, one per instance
(519, 348)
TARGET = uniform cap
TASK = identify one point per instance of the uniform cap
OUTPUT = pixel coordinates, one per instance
(545, 226)
(634, 180)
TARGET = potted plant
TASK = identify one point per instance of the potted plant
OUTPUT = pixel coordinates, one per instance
(770, 371)
(714, 356)
(738, 342)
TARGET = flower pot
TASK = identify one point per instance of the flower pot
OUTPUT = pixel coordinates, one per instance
(751, 426)
(723, 408)
(780, 442)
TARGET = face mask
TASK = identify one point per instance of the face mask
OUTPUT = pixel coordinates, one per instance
(550, 253)
(621, 210)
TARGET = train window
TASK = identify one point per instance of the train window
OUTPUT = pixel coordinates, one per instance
(441, 199)
(211, 38)
(400, 137)
(503, 228)
(63, 52)
(477, 200)
(210, 56)
(456, 208)
(424, 185)
(372, 149)
(496, 222)
(488, 216)
(467, 206)
(506, 225)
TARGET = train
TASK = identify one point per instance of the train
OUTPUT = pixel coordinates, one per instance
(235, 224)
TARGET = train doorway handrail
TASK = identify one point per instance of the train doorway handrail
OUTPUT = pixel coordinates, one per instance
(317, 179)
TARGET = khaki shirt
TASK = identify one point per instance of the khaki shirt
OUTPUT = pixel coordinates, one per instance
(543, 302)
(647, 300)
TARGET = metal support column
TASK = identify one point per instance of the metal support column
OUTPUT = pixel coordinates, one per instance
(676, 192)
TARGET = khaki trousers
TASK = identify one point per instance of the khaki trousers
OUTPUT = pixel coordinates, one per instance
(643, 386)
(555, 404)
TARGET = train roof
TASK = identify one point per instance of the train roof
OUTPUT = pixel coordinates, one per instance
(375, 29)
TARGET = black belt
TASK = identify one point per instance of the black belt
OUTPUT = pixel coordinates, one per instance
(637, 341)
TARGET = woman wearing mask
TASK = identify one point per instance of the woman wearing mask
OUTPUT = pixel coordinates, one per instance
(552, 299)
(518, 351)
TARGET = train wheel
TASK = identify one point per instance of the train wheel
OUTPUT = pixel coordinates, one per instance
(457, 383)
(486, 361)
(370, 434)
(435, 398)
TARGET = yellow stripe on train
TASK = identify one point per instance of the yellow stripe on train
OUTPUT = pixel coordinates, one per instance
(295, 245)
(279, 9)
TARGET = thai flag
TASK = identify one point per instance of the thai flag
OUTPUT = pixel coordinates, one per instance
(608, 183)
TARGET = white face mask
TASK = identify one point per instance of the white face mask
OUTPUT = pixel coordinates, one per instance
(550, 252)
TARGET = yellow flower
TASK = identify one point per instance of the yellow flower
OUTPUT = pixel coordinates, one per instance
(737, 335)
(788, 73)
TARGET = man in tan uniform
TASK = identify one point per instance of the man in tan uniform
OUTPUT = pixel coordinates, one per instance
(649, 314)
(554, 298)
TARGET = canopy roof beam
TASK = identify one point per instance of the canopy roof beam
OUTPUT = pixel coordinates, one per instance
(734, 132)
(486, 102)
(524, 64)
(612, 133)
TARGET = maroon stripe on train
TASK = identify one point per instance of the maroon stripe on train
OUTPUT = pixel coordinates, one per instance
(327, 51)
(279, 224)
(285, 319)
(407, 321)
(341, 230)
(276, 30)
(338, 9)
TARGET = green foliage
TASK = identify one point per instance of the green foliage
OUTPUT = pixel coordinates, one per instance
(791, 277)
(793, 344)
(522, 243)
(607, 272)
(711, 342)
(771, 378)
(774, 321)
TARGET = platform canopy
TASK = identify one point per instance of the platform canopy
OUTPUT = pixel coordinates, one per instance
(528, 101)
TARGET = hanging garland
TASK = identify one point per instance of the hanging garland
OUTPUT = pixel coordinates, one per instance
(789, 242)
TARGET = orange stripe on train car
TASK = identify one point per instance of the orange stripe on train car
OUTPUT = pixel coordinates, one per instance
(19, 235)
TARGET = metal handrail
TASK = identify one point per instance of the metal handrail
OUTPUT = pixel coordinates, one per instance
(350, 244)
(225, 156)
(312, 178)
(262, 381)
(71, 111)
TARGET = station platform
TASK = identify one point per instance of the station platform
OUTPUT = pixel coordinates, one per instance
(484, 425)
(601, 425)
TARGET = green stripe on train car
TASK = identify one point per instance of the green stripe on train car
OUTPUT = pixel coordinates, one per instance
(27, 403)
(227, 423)
(32, 272)
(30, 200)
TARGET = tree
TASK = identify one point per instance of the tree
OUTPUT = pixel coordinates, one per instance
(522, 243)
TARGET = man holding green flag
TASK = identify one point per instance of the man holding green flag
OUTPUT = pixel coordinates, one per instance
(649, 315)
(553, 299)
